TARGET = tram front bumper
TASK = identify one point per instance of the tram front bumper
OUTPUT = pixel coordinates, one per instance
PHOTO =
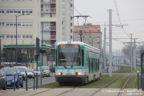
(70, 78)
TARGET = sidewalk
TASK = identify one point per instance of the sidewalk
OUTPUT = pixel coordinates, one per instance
(71, 92)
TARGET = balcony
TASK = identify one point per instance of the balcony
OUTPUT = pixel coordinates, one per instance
(51, 28)
(53, 37)
(50, 10)
(48, 1)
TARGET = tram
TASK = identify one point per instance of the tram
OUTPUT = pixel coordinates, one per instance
(76, 62)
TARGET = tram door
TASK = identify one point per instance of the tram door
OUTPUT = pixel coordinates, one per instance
(142, 70)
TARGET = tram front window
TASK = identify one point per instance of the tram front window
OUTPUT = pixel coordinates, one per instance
(69, 55)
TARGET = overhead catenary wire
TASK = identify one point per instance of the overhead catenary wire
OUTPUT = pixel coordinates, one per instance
(87, 21)
(119, 19)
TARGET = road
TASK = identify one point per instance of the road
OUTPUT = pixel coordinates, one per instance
(45, 80)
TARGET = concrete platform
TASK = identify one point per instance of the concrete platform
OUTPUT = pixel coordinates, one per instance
(71, 92)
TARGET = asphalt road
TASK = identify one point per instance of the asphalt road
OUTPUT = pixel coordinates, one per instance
(45, 80)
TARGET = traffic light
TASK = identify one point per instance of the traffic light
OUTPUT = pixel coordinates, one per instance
(37, 46)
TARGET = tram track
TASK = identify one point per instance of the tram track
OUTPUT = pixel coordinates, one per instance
(104, 86)
(70, 90)
(123, 86)
(92, 94)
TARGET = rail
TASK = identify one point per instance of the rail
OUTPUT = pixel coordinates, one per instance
(104, 86)
(123, 86)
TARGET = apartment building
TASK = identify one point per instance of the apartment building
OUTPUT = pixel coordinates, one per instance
(27, 15)
(50, 20)
(91, 34)
(56, 21)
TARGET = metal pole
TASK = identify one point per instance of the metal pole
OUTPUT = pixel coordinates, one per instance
(26, 81)
(14, 83)
(34, 82)
(131, 52)
(83, 29)
(104, 47)
(0, 52)
(42, 57)
(138, 80)
(110, 42)
(16, 41)
(134, 54)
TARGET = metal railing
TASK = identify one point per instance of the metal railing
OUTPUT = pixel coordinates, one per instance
(49, 1)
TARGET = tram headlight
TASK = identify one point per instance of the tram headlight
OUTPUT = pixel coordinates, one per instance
(59, 73)
(78, 73)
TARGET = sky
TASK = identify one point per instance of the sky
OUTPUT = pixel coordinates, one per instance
(131, 13)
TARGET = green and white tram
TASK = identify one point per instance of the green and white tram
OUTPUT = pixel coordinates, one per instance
(76, 62)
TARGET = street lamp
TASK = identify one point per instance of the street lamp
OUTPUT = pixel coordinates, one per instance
(16, 34)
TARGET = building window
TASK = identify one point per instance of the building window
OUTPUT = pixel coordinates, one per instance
(71, 5)
(19, 11)
(1, 23)
(71, 24)
(1, 11)
(1, 36)
(27, 36)
(71, 31)
(10, 24)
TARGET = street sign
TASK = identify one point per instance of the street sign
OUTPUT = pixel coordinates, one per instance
(142, 70)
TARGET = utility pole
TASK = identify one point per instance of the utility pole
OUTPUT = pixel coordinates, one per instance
(41, 55)
(0, 52)
(83, 28)
(131, 53)
(134, 54)
(110, 42)
(104, 59)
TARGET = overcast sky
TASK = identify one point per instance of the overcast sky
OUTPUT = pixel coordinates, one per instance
(131, 12)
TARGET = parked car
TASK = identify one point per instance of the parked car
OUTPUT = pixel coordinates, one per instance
(30, 73)
(45, 71)
(13, 77)
(23, 70)
(3, 81)
(37, 71)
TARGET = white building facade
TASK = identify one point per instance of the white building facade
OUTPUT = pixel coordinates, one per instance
(56, 20)
(28, 25)
(49, 20)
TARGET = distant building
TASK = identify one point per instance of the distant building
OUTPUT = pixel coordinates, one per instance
(91, 35)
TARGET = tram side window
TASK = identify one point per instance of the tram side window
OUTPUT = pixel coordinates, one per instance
(92, 64)
(89, 63)
(56, 57)
(98, 64)
(82, 57)
(95, 64)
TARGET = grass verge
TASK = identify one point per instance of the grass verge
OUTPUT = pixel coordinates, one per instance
(104, 79)
(119, 82)
(127, 69)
